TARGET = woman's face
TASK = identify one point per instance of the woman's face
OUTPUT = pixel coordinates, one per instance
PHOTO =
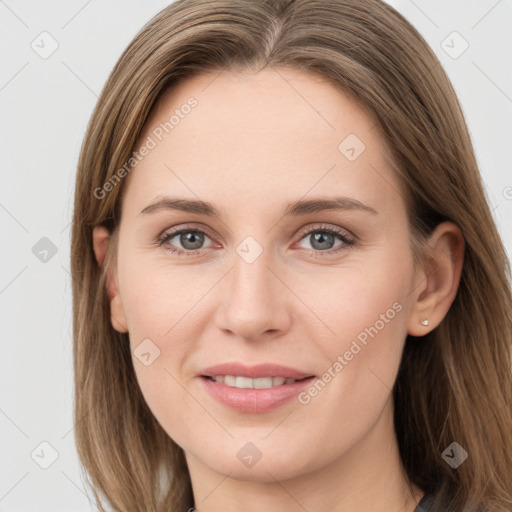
(325, 292)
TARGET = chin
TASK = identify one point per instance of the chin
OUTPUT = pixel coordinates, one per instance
(248, 463)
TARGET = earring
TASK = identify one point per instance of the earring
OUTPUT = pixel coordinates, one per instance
(424, 322)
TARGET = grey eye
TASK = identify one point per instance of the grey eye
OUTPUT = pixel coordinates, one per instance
(321, 240)
(190, 240)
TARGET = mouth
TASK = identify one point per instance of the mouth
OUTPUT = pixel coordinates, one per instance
(253, 389)
(241, 382)
(240, 371)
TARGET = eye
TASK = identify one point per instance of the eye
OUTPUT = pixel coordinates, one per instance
(190, 238)
(322, 239)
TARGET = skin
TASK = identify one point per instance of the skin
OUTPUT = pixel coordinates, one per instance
(254, 142)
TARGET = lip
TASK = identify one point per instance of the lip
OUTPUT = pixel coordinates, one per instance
(254, 401)
(259, 370)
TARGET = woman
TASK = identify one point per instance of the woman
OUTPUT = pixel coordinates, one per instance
(220, 363)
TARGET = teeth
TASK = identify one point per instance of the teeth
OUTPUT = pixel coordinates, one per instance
(243, 382)
(246, 382)
(229, 380)
(263, 382)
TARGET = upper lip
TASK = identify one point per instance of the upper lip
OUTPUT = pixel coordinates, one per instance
(259, 370)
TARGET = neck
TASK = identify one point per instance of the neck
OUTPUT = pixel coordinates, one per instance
(369, 476)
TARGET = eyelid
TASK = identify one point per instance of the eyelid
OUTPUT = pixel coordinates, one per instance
(308, 230)
(185, 227)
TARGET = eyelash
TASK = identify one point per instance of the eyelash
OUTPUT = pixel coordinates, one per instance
(348, 241)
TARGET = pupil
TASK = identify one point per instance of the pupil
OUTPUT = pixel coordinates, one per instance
(191, 238)
(324, 240)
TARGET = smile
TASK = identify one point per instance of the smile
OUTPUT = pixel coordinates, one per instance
(248, 383)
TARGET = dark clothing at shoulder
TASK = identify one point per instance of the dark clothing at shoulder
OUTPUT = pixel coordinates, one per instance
(425, 504)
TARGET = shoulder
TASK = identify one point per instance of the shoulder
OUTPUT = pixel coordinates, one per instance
(425, 503)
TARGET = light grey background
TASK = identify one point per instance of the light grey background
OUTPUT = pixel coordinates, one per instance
(45, 104)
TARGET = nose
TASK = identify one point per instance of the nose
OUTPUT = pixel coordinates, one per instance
(254, 301)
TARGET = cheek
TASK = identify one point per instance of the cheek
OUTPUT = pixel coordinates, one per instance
(359, 353)
(158, 296)
(350, 300)
(363, 312)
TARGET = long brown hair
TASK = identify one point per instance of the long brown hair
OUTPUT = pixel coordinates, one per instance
(454, 385)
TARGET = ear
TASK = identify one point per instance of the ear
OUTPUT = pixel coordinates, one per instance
(438, 280)
(101, 239)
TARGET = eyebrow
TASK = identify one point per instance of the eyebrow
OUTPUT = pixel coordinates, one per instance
(294, 209)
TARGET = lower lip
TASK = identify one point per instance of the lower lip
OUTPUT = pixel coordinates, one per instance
(254, 400)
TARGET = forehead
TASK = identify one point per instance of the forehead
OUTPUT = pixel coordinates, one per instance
(275, 132)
